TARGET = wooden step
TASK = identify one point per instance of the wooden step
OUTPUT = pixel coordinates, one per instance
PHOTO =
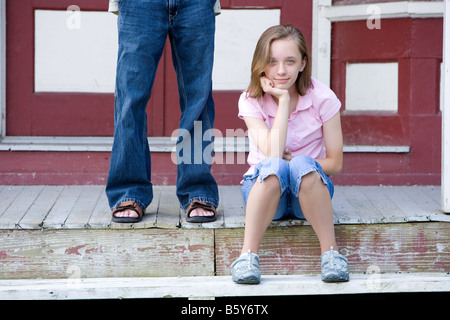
(61, 232)
(218, 287)
(98, 253)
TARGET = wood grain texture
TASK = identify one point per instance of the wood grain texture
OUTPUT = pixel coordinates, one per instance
(51, 254)
(86, 207)
(218, 286)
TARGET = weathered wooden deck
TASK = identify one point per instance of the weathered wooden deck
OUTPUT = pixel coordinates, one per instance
(64, 233)
(85, 207)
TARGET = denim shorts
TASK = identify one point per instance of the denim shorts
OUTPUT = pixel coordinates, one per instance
(290, 176)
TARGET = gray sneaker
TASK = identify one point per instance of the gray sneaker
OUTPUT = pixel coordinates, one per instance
(245, 269)
(334, 266)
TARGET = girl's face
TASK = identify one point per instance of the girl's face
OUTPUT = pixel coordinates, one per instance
(285, 63)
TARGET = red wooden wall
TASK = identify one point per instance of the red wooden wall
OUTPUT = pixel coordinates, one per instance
(416, 44)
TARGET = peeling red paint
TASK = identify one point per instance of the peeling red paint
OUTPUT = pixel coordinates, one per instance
(74, 250)
(4, 255)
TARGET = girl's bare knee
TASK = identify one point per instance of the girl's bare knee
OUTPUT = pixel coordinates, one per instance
(271, 183)
(309, 181)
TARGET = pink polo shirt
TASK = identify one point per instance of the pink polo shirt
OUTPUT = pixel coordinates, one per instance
(304, 135)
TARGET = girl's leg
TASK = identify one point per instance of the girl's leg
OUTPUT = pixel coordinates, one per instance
(263, 201)
(262, 204)
(314, 190)
(315, 201)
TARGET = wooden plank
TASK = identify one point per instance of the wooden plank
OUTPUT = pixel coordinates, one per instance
(101, 215)
(362, 207)
(434, 192)
(7, 196)
(11, 217)
(57, 216)
(427, 205)
(106, 253)
(83, 208)
(418, 195)
(343, 211)
(36, 214)
(219, 286)
(380, 199)
(169, 211)
(404, 203)
(405, 247)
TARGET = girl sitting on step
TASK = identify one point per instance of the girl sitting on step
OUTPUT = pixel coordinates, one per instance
(296, 143)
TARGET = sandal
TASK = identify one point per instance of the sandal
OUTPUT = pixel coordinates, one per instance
(199, 204)
(128, 205)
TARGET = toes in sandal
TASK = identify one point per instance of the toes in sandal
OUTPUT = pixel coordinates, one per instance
(128, 205)
(199, 204)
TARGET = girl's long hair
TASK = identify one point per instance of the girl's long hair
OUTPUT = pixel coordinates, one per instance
(261, 58)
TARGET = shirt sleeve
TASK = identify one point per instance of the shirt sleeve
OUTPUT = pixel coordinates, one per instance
(249, 107)
(327, 102)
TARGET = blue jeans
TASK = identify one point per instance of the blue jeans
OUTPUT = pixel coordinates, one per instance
(290, 176)
(143, 28)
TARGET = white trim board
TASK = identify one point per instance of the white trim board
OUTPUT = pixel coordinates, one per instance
(157, 144)
(208, 288)
(385, 10)
(104, 144)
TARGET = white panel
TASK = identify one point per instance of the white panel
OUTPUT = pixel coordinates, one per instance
(372, 87)
(237, 32)
(75, 51)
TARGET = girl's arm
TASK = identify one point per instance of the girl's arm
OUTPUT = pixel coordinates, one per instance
(332, 133)
(271, 142)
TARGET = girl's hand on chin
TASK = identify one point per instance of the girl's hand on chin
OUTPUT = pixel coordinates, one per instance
(268, 87)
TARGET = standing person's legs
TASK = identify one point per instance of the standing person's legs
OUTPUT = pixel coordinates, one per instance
(191, 33)
(143, 29)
